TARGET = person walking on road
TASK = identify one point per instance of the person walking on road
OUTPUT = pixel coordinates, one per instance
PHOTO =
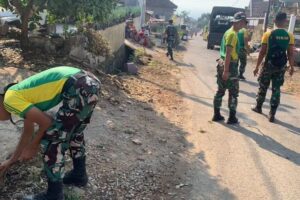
(244, 49)
(171, 34)
(227, 71)
(78, 91)
(277, 50)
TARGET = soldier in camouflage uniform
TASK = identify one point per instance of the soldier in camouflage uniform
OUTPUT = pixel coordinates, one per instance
(243, 37)
(227, 71)
(171, 33)
(78, 91)
(277, 49)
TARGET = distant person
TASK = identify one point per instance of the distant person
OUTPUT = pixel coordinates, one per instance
(78, 91)
(227, 71)
(277, 50)
(171, 33)
(244, 49)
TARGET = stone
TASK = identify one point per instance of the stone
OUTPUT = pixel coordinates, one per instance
(132, 68)
(137, 142)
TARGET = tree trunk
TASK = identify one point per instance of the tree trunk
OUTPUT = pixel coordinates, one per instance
(24, 33)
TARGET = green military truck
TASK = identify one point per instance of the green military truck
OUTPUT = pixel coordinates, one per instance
(220, 22)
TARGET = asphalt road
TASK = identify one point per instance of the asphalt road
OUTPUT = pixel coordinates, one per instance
(253, 160)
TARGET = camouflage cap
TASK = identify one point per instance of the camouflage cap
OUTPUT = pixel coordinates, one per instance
(239, 17)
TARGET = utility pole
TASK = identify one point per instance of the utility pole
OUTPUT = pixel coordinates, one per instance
(142, 4)
(267, 16)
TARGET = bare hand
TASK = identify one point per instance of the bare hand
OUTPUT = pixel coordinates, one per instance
(29, 152)
(4, 167)
(255, 71)
(292, 70)
(225, 76)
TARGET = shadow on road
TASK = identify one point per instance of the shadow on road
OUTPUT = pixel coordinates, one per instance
(268, 143)
(293, 129)
(254, 84)
(182, 64)
(282, 107)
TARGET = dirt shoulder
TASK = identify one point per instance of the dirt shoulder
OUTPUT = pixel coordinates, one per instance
(133, 150)
(292, 84)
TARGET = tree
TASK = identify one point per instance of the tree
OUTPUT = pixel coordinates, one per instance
(26, 10)
(91, 10)
(203, 20)
(94, 10)
(185, 15)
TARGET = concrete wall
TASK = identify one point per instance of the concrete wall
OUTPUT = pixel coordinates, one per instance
(115, 36)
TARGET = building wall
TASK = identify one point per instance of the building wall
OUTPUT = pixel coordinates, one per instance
(258, 8)
(115, 36)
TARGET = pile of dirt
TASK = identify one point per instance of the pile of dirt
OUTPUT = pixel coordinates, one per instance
(12, 56)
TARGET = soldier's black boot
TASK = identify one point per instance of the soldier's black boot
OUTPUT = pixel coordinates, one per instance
(78, 175)
(241, 76)
(257, 108)
(217, 115)
(232, 118)
(272, 114)
(171, 56)
(54, 192)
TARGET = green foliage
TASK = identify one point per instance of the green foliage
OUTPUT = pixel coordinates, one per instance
(87, 11)
(203, 20)
(119, 15)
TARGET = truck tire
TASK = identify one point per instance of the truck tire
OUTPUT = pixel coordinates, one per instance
(210, 46)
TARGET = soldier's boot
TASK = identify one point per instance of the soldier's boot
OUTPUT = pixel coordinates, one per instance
(217, 115)
(78, 175)
(232, 118)
(54, 192)
(241, 76)
(257, 108)
(167, 54)
(272, 114)
(171, 56)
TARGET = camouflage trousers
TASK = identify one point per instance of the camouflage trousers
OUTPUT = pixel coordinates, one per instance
(170, 43)
(270, 73)
(232, 85)
(80, 97)
(243, 60)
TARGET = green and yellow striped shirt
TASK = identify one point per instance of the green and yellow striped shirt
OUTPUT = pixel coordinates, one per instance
(43, 90)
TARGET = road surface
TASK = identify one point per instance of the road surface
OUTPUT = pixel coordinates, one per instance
(253, 160)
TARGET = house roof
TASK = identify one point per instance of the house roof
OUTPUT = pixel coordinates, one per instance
(161, 3)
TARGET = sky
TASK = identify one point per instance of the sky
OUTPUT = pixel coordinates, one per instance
(197, 7)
